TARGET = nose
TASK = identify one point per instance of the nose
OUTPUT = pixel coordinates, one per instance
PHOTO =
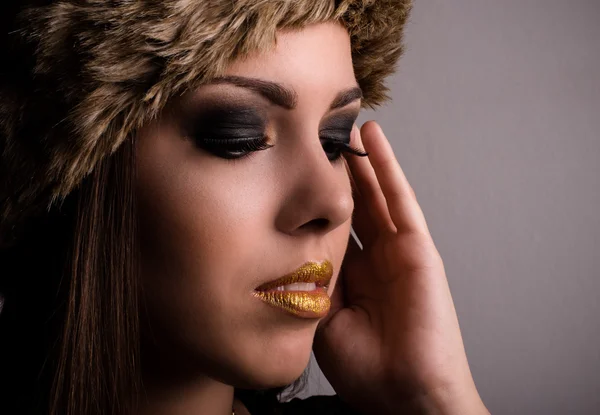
(317, 192)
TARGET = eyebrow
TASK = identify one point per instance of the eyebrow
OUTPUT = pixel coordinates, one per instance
(283, 96)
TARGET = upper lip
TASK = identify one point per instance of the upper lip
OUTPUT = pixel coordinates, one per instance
(318, 272)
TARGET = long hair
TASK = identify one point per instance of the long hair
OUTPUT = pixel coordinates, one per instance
(70, 330)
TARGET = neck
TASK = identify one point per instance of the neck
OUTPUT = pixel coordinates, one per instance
(198, 396)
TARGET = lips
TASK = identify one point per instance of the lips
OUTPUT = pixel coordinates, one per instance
(312, 303)
(310, 272)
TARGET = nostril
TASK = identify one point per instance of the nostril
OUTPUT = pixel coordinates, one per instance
(318, 224)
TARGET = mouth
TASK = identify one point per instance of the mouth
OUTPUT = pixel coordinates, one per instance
(302, 292)
(308, 277)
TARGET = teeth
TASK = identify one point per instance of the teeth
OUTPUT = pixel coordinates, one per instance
(299, 286)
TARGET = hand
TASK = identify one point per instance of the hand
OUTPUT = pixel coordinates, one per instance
(391, 343)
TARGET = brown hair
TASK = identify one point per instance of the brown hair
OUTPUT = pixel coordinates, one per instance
(69, 331)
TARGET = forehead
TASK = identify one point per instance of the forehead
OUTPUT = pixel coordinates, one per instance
(315, 61)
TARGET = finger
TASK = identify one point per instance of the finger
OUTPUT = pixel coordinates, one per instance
(371, 212)
(402, 204)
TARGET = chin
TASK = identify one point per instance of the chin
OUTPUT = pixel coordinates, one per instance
(276, 366)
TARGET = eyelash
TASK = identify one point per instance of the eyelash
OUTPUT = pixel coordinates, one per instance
(230, 148)
(226, 148)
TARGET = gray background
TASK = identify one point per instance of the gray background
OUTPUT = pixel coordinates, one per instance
(496, 122)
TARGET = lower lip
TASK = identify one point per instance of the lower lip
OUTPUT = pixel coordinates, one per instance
(305, 304)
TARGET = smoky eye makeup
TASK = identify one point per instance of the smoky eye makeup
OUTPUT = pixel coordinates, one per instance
(334, 134)
(226, 121)
(236, 130)
(228, 131)
(338, 126)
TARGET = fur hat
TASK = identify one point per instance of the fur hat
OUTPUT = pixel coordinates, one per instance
(81, 76)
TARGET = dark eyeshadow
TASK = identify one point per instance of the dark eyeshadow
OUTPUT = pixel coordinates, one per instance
(225, 120)
(340, 122)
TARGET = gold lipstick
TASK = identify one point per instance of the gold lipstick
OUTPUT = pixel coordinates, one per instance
(313, 303)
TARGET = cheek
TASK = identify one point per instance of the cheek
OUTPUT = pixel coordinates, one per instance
(199, 228)
(194, 225)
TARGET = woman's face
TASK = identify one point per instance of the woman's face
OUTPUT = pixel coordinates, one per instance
(215, 228)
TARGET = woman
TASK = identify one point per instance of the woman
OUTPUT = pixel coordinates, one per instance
(179, 180)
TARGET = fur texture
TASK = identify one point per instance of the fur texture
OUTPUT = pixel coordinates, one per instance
(82, 75)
